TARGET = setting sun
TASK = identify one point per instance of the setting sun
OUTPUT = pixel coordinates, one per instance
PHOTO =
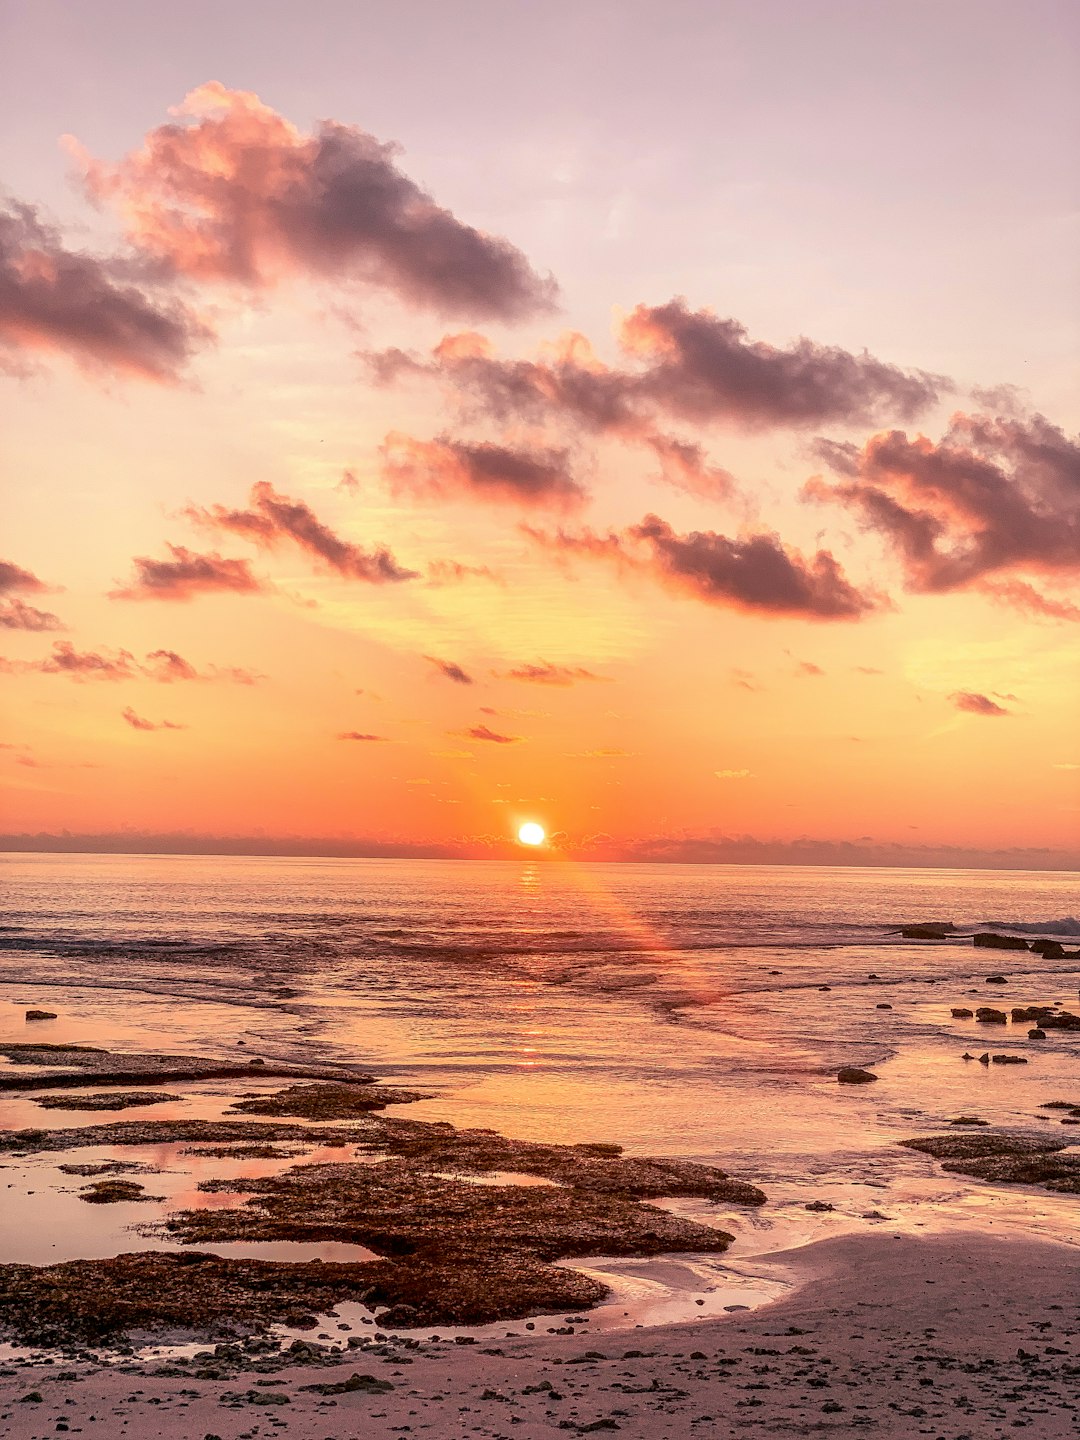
(531, 833)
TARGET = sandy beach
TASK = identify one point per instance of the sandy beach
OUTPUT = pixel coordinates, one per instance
(949, 1337)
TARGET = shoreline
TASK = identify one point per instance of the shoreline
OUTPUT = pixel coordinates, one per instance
(957, 1336)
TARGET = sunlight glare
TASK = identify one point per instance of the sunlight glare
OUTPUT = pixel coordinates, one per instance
(531, 833)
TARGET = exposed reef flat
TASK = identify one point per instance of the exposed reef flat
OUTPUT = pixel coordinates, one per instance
(94, 1301)
(110, 1100)
(450, 1251)
(70, 1066)
(1005, 1159)
(327, 1102)
(456, 1252)
(173, 1132)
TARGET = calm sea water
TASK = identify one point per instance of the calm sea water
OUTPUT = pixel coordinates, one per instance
(676, 1009)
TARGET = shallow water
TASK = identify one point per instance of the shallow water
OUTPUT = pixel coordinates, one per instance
(674, 1009)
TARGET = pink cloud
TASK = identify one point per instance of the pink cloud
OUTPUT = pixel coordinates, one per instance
(230, 191)
(273, 518)
(97, 312)
(187, 574)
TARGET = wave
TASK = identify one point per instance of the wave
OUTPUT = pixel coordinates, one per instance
(1068, 925)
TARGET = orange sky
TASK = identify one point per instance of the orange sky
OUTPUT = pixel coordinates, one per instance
(276, 546)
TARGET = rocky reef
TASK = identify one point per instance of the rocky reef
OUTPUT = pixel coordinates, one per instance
(1005, 1159)
(450, 1250)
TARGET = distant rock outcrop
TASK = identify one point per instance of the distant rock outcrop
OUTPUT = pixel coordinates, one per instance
(990, 941)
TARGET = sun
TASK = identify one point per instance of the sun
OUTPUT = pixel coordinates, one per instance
(531, 833)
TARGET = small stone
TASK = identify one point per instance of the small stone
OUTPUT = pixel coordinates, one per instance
(852, 1075)
(41, 1014)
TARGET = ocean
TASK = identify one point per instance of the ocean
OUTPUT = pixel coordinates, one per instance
(698, 1011)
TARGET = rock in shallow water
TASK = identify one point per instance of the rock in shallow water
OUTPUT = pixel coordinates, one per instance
(852, 1075)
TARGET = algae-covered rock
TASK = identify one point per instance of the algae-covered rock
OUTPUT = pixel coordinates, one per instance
(113, 1192)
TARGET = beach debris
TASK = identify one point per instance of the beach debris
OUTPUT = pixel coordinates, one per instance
(989, 1016)
(987, 939)
(107, 1100)
(41, 1015)
(852, 1075)
(113, 1192)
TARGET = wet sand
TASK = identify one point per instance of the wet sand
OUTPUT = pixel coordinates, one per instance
(959, 1336)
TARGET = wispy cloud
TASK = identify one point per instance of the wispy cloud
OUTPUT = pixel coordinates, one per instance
(139, 722)
(544, 672)
(976, 704)
(484, 732)
(450, 670)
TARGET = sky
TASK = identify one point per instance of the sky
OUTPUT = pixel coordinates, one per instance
(653, 421)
